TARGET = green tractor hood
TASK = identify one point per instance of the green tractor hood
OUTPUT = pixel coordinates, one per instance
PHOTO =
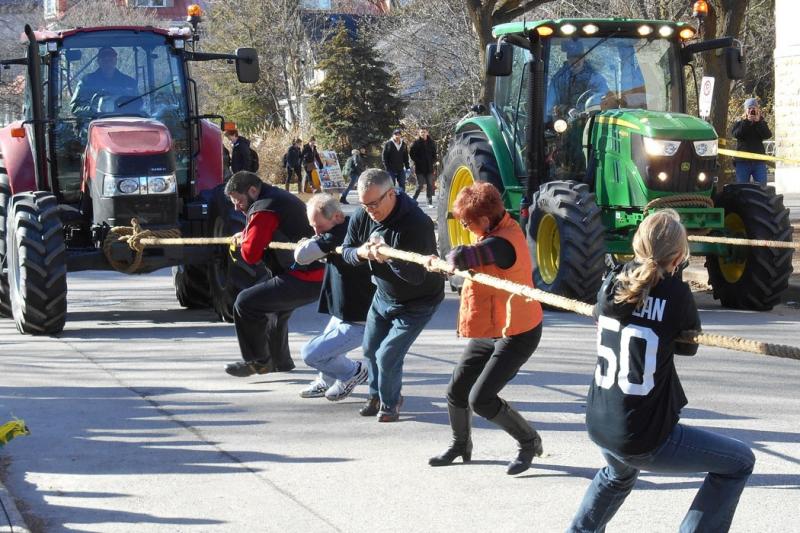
(659, 125)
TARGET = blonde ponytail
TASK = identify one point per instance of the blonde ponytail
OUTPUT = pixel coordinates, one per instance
(659, 239)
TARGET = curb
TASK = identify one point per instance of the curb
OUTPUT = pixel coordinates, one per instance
(10, 518)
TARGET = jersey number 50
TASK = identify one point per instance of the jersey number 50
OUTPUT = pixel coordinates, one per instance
(618, 367)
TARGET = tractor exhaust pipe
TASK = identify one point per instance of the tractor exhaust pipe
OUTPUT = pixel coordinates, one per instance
(37, 111)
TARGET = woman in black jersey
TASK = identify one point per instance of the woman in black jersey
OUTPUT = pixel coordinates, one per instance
(634, 402)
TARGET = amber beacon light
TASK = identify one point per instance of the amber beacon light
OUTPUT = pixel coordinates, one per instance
(700, 9)
(194, 10)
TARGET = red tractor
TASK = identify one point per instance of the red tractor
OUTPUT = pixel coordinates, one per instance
(111, 132)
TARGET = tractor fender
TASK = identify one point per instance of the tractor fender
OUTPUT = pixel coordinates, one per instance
(17, 160)
(209, 160)
(488, 125)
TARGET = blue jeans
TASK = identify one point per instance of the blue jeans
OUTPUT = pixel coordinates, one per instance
(728, 462)
(390, 332)
(399, 179)
(327, 352)
(745, 169)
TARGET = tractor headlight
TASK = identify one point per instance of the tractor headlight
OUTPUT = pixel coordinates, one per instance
(660, 147)
(706, 148)
(126, 186)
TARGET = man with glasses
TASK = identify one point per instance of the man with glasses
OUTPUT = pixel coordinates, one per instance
(105, 82)
(407, 294)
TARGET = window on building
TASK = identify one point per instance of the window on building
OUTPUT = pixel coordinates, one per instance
(50, 7)
(153, 3)
(317, 4)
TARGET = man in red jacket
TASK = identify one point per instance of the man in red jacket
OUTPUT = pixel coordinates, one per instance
(261, 312)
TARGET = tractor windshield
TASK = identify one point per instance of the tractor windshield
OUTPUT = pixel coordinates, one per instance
(110, 74)
(585, 75)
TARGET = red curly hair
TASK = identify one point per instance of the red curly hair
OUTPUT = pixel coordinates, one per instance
(479, 200)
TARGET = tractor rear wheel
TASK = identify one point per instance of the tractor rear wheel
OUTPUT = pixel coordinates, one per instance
(5, 196)
(191, 286)
(565, 237)
(228, 274)
(752, 277)
(37, 268)
(470, 159)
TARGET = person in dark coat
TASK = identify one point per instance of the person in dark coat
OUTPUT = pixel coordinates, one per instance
(240, 151)
(346, 296)
(311, 160)
(750, 132)
(395, 159)
(407, 295)
(423, 154)
(261, 312)
(107, 80)
(292, 161)
(352, 169)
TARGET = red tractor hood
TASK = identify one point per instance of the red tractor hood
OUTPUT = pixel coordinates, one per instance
(129, 136)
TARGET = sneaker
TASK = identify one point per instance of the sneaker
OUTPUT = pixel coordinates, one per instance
(344, 201)
(242, 369)
(316, 389)
(342, 389)
(370, 408)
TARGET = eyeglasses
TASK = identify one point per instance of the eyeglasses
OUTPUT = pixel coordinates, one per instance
(376, 203)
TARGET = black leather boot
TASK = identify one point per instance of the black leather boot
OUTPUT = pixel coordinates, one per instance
(530, 443)
(461, 422)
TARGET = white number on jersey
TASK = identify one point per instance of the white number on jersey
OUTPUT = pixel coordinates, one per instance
(618, 365)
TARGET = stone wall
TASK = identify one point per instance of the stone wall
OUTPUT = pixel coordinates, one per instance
(787, 94)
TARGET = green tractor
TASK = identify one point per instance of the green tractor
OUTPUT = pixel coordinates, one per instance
(587, 134)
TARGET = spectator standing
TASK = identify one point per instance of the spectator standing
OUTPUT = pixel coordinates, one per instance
(292, 162)
(634, 403)
(346, 296)
(261, 312)
(241, 158)
(750, 132)
(395, 159)
(353, 168)
(311, 161)
(407, 295)
(423, 154)
(503, 330)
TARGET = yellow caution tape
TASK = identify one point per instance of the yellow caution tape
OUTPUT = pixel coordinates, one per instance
(759, 157)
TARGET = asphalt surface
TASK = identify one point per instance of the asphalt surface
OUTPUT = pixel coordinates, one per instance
(135, 427)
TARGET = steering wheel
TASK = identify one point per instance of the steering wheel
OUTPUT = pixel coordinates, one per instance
(580, 103)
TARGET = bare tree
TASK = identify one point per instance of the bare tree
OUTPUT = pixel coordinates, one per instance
(88, 13)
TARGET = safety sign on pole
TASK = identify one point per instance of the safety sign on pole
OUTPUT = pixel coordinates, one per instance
(706, 94)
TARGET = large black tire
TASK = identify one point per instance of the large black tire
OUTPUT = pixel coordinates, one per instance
(191, 286)
(37, 268)
(5, 196)
(565, 237)
(470, 159)
(228, 274)
(756, 277)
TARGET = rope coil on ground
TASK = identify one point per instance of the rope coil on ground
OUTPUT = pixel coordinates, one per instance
(139, 239)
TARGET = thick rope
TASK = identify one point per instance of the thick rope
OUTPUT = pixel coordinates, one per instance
(134, 236)
(746, 242)
(553, 300)
(679, 200)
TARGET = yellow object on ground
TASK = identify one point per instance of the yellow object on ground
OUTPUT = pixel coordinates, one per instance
(12, 429)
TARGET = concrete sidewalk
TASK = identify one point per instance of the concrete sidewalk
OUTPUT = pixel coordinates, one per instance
(10, 518)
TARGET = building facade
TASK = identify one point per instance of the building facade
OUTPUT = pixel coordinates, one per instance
(787, 97)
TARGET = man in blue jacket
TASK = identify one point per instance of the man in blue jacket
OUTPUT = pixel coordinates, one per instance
(407, 294)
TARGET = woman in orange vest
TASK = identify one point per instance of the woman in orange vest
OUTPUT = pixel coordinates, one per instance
(504, 330)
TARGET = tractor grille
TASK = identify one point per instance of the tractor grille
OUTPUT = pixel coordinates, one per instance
(682, 169)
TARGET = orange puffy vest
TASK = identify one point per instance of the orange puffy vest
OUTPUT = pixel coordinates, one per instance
(489, 312)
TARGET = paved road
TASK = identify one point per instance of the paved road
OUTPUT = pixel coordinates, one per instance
(137, 428)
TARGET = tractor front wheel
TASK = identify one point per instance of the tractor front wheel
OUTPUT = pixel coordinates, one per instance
(752, 277)
(37, 268)
(191, 286)
(470, 159)
(5, 196)
(565, 237)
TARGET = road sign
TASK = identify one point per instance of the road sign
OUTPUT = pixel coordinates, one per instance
(706, 94)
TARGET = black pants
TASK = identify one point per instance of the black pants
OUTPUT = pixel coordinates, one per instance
(291, 171)
(261, 315)
(424, 181)
(485, 367)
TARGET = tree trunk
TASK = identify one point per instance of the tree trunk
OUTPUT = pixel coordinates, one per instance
(482, 23)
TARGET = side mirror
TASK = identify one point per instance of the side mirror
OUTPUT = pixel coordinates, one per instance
(247, 65)
(73, 54)
(734, 63)
(498, 59)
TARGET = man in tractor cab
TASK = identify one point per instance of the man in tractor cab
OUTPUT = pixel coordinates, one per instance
(106, 81)
(573, 84)
(261, 312)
